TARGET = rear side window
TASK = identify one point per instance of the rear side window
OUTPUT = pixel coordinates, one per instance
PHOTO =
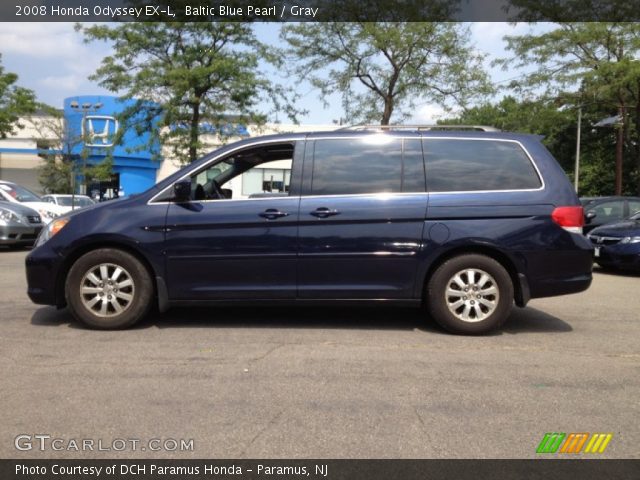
(362, 166)
(455, 165)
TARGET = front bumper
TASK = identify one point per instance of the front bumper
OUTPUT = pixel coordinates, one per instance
(622, 256)
(42, 267)
(17, 234)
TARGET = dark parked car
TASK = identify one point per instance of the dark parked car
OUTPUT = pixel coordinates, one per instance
(602, 210)
(463, 222)
(19, 225)
(617, 245)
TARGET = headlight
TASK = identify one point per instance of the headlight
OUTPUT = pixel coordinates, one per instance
(47, 214)
(630, 240)
(50, 230)
(7, 216)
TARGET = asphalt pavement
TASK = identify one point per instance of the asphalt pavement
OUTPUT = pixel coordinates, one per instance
(319, 382)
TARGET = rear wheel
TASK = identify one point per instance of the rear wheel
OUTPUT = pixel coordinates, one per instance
(108, 289)
(470, 294)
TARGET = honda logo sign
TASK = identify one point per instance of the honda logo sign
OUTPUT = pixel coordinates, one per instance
(99, 130)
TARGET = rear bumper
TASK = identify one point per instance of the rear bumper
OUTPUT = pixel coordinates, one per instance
(562, 286)
(562, 271)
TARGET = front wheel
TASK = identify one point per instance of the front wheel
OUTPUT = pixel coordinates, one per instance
(108, 289)
(470, 294)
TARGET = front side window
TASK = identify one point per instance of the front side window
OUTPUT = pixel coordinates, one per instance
(367, 165)
(18, 193)
(460, 165)
(608, 211)
(251, 173)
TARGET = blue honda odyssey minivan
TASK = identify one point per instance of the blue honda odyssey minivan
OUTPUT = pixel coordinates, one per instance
(465, 222)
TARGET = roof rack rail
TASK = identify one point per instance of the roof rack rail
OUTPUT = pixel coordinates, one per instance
(478, 128)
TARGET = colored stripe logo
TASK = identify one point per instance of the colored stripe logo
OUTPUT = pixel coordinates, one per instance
(574, 443)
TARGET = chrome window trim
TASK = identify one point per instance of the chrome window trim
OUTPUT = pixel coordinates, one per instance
(334, 137)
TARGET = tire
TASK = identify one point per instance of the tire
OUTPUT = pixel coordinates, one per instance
(107, 306)
(449, 303)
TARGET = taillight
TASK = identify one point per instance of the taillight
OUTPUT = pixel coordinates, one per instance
(569, 218)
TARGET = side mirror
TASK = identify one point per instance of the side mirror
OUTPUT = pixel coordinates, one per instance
(182, 191)
(226, 193)
(589, 216)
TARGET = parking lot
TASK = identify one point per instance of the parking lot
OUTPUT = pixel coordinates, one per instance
(323, 382)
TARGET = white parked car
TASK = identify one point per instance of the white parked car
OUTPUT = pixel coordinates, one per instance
(69, 202)
(12, 192)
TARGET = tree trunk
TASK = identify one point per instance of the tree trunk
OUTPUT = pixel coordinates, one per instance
(195, 129)
(619, 151)
(637, 146)
(388, 110)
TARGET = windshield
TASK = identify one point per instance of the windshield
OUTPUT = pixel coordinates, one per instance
(19, 193)
(635, 216)
(79, 201)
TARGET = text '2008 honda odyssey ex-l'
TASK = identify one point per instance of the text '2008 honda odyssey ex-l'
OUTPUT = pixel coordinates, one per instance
(464, 222)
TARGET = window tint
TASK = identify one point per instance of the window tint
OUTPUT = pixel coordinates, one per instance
(365, 165)
(473, 165)
(608, 211)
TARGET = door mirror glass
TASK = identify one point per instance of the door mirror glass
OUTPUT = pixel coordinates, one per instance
(182, 191)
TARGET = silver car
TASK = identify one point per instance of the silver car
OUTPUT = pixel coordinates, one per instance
(19, 225)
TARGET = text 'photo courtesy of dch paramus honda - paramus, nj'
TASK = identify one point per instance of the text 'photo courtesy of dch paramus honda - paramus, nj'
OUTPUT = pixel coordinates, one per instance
(461, 222)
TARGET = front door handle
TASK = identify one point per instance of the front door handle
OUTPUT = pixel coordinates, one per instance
(324, 212)
(272, 214)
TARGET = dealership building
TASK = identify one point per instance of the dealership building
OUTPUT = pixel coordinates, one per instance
(138, 162)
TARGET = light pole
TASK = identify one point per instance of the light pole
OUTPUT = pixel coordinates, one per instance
(576, 180)
(85, 108)
(617, 122)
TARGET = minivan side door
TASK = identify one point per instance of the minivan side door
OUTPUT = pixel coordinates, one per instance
(234, 249)
(362, 213)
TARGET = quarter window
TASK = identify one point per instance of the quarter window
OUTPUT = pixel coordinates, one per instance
(367, 165)
(475, 165)
(634, 206)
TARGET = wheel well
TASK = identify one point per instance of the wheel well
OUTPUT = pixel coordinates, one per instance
(498, 256)
(76, 254)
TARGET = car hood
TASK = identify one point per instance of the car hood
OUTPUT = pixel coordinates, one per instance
(49, 207)
(18, 208)
(627, 228)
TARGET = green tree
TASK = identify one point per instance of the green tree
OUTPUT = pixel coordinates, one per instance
(15, 102)
(383, 69)
(62, 163)
(189, 78)
(539, 117)
(556, 121)
(593, 59)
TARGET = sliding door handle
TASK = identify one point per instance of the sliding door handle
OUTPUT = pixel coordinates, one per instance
(272, 214)
(324, 212)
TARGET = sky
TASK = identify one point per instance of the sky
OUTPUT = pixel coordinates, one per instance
(52, 59)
